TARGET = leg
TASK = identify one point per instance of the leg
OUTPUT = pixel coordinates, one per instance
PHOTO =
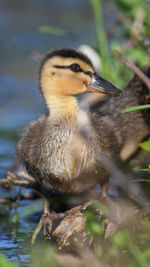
(105, 186)
(45, 221)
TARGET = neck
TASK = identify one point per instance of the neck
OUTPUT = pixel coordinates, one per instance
(62, 106)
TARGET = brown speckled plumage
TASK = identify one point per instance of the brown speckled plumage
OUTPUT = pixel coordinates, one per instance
(56, 153)
(130, 128)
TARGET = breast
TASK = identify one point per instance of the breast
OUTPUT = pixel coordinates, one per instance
(64, 155)
(68, 165)
(58, 154)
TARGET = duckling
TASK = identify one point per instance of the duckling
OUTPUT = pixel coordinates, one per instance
(133, 127)
(54, 148)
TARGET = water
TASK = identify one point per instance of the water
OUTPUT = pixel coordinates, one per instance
(21, 47)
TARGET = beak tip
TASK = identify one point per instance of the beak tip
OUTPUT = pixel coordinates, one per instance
(119, 93)
(100, 85)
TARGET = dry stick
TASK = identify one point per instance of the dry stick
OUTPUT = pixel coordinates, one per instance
(25, 176)
(23, 180)
(132, 67)
(20, 175)
(141, 180)
(4, 201)
(7, 182)
(23, 196)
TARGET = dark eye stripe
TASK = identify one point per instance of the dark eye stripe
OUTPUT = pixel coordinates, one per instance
(73, 67)
(61, 67)
(89, 73)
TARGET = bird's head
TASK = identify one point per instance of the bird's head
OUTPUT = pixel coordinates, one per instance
(66, 73)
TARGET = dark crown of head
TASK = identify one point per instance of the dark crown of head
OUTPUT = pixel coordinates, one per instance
(65, 53)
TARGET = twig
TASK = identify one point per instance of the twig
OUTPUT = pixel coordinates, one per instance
(132, 67)
(141, 180)
(24, 180)
(20, 175)
(21, 179)
(22, 196)
(4, 201)
(6, 182)
(25, 175)
(21, 183)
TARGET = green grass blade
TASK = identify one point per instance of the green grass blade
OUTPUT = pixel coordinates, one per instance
(101, 34)
(145, 145)
(135, 108)
(53, 30)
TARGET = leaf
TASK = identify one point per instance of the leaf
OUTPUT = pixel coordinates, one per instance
(53, 30)
(93, 225)
(135, 108)
(144, 170)
(119, 239)
(146, 223)
(146, 146)
(103, 50)
(146, 253)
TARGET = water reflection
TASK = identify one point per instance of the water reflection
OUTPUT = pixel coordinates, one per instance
(15, 237)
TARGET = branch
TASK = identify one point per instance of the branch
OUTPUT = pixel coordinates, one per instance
(23, 196)
(141, 180)
(20, 179)
(133, 68)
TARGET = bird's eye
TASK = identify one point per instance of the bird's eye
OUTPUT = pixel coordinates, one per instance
(75, 67)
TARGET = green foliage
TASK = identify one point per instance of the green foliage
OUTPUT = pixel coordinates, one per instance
(139, 55)
(119, 239)
(93, 224)
(145, 170)
(128, 246)
(135, 50)
(131, 11)
(5, 263)
(45, 258)
(128, 7)
(111, 68)
(145, 145)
